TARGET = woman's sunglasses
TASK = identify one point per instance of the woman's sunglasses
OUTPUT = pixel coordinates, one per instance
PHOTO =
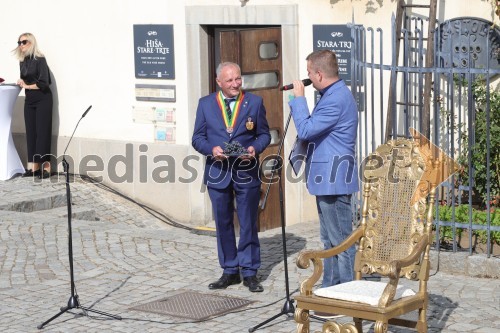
(24, 42)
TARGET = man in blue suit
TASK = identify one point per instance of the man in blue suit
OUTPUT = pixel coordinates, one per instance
(331, 168)
(233, 116)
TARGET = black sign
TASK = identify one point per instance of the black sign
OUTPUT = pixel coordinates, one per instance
(336, 38)
(154, 51)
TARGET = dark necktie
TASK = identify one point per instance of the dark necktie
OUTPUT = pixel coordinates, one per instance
(228, 108)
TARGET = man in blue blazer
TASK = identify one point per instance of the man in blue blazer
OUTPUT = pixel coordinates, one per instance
(331, 168)
(232, 116)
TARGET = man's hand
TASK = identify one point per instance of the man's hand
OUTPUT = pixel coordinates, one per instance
(218, 153)
(298, 88)
(250, 154)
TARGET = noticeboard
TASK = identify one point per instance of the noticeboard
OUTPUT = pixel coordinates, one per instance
(154, 51)
(153, 92)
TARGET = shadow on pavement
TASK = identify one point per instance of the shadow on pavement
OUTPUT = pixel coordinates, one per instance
(272, 251)
(439, 310)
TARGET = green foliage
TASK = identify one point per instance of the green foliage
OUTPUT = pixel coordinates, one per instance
(446, 215)
(479, 217)
(479, 145)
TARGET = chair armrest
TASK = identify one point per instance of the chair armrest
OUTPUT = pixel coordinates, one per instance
(315, 256)
(395, 268)
(414, 256)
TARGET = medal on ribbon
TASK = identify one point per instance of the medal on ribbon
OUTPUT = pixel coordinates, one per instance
(236, 109)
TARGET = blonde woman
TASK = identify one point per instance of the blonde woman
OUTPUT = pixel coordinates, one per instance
(35, 79)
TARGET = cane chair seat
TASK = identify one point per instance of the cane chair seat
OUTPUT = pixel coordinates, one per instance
(393, 242)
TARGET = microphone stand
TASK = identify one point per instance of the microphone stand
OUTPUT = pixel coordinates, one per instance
(288, 308)
(73, 302)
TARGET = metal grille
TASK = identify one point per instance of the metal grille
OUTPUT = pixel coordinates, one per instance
(193, 305)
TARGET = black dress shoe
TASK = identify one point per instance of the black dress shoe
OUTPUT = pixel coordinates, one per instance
(28, 173)
(44, 174)
(31, 173)
(225, 281)
(253, 284)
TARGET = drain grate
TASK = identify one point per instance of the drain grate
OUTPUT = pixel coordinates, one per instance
(193, 305)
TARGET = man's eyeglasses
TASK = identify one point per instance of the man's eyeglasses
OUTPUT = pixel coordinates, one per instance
(24, 42)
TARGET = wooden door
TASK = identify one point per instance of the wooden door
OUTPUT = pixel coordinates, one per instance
(258, 52)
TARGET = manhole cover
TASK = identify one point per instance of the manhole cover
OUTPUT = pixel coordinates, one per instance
(193, 305)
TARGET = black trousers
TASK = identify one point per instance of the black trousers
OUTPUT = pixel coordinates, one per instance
(38, 122)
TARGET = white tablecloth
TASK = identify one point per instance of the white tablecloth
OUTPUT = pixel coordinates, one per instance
(10, 163)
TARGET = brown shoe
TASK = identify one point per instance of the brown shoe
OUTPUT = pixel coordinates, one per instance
(225, 281)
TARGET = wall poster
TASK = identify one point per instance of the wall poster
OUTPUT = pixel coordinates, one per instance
(154, 51)
(336, 38)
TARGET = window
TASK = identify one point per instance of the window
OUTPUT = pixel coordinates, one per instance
(268, 50)
(260, 80)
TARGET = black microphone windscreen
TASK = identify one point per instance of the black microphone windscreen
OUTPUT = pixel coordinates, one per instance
(87, 111)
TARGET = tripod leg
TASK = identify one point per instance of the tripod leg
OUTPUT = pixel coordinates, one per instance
(63, 310)
(253, 329)
(288, 308)
(72, 304)
(101, 313)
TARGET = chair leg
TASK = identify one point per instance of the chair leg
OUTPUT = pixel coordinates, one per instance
(380, 327)
(333, 327)
(358, 323)
(302, 319)
(422, 321)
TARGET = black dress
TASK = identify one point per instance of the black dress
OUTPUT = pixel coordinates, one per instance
(37, 108)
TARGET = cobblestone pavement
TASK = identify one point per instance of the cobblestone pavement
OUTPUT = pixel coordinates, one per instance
(124, 256)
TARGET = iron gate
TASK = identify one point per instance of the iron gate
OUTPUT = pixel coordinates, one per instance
(464, 114)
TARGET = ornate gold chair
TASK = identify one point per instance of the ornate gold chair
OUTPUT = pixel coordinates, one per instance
(393, 241)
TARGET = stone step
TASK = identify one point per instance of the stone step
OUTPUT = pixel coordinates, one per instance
(33, 201)
(77, 213)
(476, 265)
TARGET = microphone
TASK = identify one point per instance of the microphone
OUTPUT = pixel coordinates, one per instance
(306, 82)
(71, 138)
(87, 111)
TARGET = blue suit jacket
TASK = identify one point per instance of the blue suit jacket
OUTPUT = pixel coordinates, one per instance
(210, 131)
(330, 130)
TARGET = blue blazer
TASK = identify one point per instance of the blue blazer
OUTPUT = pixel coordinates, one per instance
(330, 130)
(210, 131)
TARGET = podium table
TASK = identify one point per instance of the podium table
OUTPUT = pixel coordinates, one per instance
(10, 163)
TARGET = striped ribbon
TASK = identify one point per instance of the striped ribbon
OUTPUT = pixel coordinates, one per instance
(237, 106)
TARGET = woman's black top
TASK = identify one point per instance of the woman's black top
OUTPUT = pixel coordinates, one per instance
(35, 71)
